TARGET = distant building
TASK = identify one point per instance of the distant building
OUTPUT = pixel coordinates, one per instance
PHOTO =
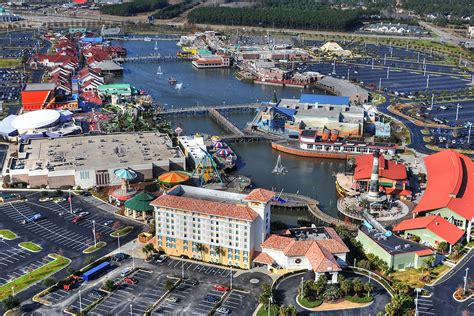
(212, 226)
(396, 252)
(449, 189)
(334, 49)
(89, 161)
(7, 16)
(395, 28)
(212, 61)
(319, 249)
(470, 32)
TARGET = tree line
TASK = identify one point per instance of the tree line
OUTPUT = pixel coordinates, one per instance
(317, 17)
(134, 7)
(458, 8)
(175, 10)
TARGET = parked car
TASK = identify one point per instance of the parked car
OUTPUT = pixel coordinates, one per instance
(172, 299)
(130, 280)
(212, 298)
(108, 222)
(83, 214)
(77, 210)
(192, 281)
(118, 257)
(45, 199)
(58, 199)
(77, 219)
(223, 310)
(220, 287)
(126, 271)
(161, 258)
(96, 294)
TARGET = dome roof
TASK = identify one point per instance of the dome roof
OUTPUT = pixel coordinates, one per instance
(35, 119)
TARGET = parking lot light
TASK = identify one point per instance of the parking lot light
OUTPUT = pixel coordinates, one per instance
(118, 241)
(231, 277)
(380, 84)
(388, 72)
(70, 201)
(133, 258)
(80, 301)
(457, 111)
(93, 232)
(372, 63)
(182, 268)
(465, 281)
(131, 309)
(427, 81)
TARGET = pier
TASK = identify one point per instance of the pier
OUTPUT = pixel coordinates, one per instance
(296, 201)
(153, 58)
(225, 123)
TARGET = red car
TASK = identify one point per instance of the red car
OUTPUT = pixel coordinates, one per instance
(77, 219)
(130, 280)
(220, 287)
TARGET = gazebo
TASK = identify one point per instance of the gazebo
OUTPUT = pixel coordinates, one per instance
(139, 207)
(172, 178)
(124, 192)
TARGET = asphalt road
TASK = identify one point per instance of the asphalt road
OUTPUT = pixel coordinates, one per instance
(286, 291)
(442, 302)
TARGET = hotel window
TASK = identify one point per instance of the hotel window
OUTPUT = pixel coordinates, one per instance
(195, 249)
(237, 257)
(230, 256)
(457, 222)
(185, 248)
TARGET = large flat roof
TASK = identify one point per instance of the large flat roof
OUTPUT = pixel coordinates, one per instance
(98, 152)
(392, 244)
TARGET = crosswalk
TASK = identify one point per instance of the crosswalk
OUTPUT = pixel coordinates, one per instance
(425, 306)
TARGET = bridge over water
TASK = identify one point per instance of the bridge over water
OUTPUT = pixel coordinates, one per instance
(152, 57)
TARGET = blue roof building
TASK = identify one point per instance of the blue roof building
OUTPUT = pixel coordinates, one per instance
(324, 100)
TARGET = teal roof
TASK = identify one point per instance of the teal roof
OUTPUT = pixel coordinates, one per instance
(141, 202)
(125, 174)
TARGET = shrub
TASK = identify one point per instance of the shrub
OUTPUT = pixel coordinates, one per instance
(49, 282)
(11, 302)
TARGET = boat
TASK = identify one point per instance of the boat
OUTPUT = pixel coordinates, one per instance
(310, 144)
(156, 45)
(147, 39)
(159, 72)
(172, 81)
(178, 86)
(279, 168)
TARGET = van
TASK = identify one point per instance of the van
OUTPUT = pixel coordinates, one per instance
(126, 271)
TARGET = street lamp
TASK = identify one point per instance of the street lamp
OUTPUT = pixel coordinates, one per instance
(93, 232)
(231, 277)
(133, 258)
(80, 301)
(457, 111)
(118, 241)
(417, 290)
(465, 281)
(372, 63)
(469, 133)
(131, 309)
(427, 81)
(388, 72)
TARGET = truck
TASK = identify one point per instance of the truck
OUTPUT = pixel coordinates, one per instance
(32, 218)
(69, 283)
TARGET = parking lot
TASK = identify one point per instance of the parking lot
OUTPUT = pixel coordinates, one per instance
(11, 83)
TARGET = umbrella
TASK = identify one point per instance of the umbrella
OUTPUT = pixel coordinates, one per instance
(173, 177)
(125, 174)
(224, 152)
(218, 145)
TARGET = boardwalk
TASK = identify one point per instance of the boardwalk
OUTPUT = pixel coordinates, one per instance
(205, 109)
(153, 57)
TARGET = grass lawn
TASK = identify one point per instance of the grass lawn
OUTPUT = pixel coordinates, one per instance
(412, 276)
(470, 244)
(34, 276)
(309, 304)
(9, 62)
(263, 310)
(30, 246)
(7, 234)
(99, 245)
(122, 231)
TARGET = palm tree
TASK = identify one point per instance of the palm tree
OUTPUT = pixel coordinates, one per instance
(146, 251)
(346, 286)
(332, 293)
(219, 251)
(291, 310)
(368, 287)
(357, 286)
(201, 248)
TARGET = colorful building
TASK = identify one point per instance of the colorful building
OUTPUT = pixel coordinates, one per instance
(398, 253)
(449, 189)
(393, 179)
(37, 96)
(431, 230)
(211, 225)
(318, 249)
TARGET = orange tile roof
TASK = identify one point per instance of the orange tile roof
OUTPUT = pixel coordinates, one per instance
(262, 257)
(424, 252)
(321, 259)
(260, 195)
(388, 169)
(435, 224)
(450, 184)
(242, 212)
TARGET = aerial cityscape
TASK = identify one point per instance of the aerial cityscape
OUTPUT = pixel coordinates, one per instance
(237, 157)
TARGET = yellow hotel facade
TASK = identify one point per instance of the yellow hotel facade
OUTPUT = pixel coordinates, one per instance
(212, 226)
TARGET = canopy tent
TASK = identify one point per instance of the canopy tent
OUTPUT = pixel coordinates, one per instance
(141, 202)
(125, 174)
(173, 177)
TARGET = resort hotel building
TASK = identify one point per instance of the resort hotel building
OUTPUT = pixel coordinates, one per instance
(211, 225)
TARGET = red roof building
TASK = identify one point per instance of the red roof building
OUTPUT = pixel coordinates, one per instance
(393, 177)
(431, 229)
(37, 96)
(449, 189)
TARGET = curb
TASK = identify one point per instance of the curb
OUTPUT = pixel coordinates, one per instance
(463, 300)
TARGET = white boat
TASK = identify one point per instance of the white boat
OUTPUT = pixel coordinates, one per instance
(156, 45)
(159, 72)
(147, 39)
(178, 86)
(279, 168)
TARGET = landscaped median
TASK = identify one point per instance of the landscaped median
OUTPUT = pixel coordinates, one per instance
(122, 231)
(34, 276)
(30, 246)
(303, 301)
(7, 234)
(93, 248)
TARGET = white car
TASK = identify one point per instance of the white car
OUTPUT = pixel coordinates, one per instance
(45, 199)
(126, 272)
(82, 214)
(161, 258)
(172, 299)
(223, 310)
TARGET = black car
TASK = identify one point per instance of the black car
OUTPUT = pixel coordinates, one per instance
(96, 294)
(118, 257)
(192, 281)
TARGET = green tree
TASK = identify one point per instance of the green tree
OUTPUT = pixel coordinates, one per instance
(169, 285)
(332, 293)
(108, 285)
(202, 249)
(49, 282)
(10, 302)
(266, 293)
(291, 310)
(320, 285)
(346, 286)
(368, 287)
(357, 285)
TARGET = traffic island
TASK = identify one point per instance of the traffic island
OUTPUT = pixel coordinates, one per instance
(98, 246)
(122, 232)
(348, 302)
(30, 246)
(7, 234)
(19, 284)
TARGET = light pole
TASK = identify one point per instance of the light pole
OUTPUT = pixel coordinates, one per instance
(133, 258)
(334, 67)
(348, 72)
(388, 72)
(457, 111)
(469, 133)
(384, 59)
(131, 309)
(80, 301)
(380, 84)
(269, 304)
(418, 57)
(13, 291)
(372, 63)
(118, 241)
(301, 290)
(182, 268)
(417, 290)
(231, 277)
(70, 201)
(427, 81)
(432, 101)
(93, 232)
(465, 281)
